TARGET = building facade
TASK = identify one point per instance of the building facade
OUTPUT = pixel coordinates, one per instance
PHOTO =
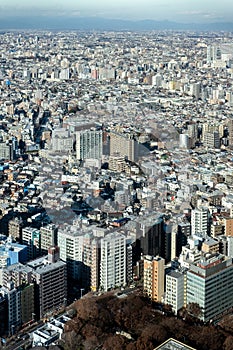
(175, 289)
(113, 261)
(153, 277)
(210, 284)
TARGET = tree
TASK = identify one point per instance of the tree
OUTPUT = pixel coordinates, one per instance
(194, 310)
(228, 344)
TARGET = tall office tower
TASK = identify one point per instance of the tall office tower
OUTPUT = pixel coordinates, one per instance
(13, 296)
(213, 53)
(8, 149)
(175, 290)
(48, 237)
(129, 262)
(200, 221)
(153, 277)
(230, 132)
(185, 141)
(5, 151)
(50, 285)
(21, 277)
(71, 251)
(27, 302)
(91, 263)
(124, 145)
(212, 139)
(3, 315)
(15, 228)
(196, 90)
(183, 232)
(89, 144)
(154, 238)
(210, 284)
(211, 128)
(32, 238)
(113, 261)
(192, 130)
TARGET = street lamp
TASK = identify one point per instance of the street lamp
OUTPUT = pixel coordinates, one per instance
(64, 300)
(12, 329)
(33, 315)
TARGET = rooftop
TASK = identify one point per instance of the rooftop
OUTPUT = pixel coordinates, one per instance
(172, 344)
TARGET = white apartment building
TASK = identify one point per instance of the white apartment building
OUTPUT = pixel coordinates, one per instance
(175, 290)
(48, 237)
(71, 251)
(199, 221)
(113, 261)
(89, 144)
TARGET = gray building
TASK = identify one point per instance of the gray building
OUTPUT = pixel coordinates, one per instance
(50, 284)
(89, 144)
(210, 284)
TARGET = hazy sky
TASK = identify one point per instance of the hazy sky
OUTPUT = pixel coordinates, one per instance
(178, 10)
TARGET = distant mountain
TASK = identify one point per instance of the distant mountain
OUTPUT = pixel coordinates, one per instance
(96, 23)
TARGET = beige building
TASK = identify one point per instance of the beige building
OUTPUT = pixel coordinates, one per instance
(123, 145)
(48, 237)
(153, 282)
(216, 229)
(210, 246)
(91, 261)
(228, 224)
(15, 228)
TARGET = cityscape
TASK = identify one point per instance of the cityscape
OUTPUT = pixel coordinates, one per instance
(116, 188)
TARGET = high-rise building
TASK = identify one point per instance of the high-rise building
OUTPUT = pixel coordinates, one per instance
(91, 263)
(199, 221)
(175, 290)
(213, 53)
(15, 229)
(71, 251)
(27, 302)
(228, 226)
(5, 151)
(8, 149)
(13, 296)
(210, 285)
(129, 263)
(113, 261)
(18, 273)
(124, 145)
(230, 132)
(50, 281)
(3, 315)
(32, 238)
(183, 232)
(48, 237)
(212, 139)
(155, 237)
(89, 144)
(153, 277)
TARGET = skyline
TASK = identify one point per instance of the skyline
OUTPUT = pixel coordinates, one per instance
(195, 11)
